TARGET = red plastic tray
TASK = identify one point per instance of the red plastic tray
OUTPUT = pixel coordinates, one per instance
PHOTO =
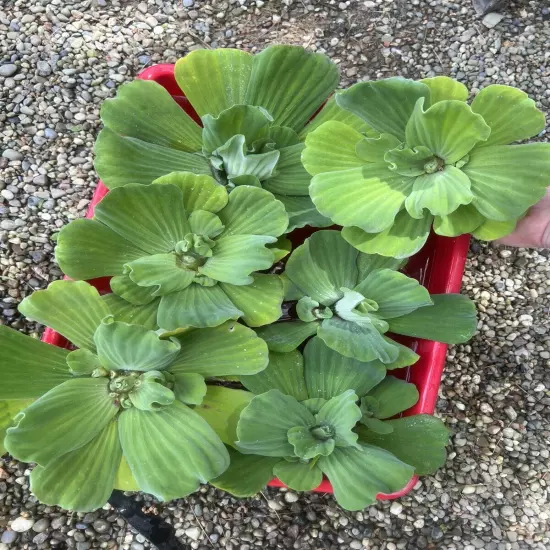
(439, 266)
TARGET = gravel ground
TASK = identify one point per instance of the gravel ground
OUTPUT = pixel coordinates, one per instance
(60, 59)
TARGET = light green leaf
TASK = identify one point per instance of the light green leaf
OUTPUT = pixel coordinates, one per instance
(369, 197)
(403, 239)
(286, 336)
(301, 211)
(125, 288)
(395, 293)
(386, 105)
(418, 440)
(171, 451)
(196, 306)
(443, 88)
(367, 263)
(341, 413)
(322, 266)
(449, 129)
(508, 179)
(405, 358)
(28, 367)
(491, 230)
(329, 374)
(465, 219)
(281, 249)
(83, 361)
(189, 388)
(151, 394)
(441, 193)
(331, 111)
(205, 224)
(214, 80)
(259, 301)
(253, 211)
(290, 177)
(299, 476)
(361, 341)
(246, 475)
(221, 408)
(151, 217)
(374, 149)
(452, 319)
(510, 114)
(81, 480)
(376, 425)
(145, 315)
(331, 148)
(291, 83)
(358, 475)
(74, 309)
(393, 396)
(124, 480)
(106, 251)
(144, 110)
(285, 372)
(121, 346)
(67, 417)
(306, 445)
(160, 274)
(408, 162)
(283, 137)
(236, 257)
(264, 423)
(200, 192)
(236, 161)
(247, 120)
(229, 349)
(122, 160)
(8, 410)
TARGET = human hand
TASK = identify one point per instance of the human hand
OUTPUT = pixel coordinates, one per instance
(533, 231)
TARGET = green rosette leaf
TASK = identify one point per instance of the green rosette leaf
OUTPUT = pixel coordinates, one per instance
(265, 422)
(29, 368)
(510, 114)
(450, 129)
(491, 230)
(368, 197)
(145, 315)
(285, 372)
(287, 336)
(403, 239)
(358, 475)
(298, 475)
(392, 397)
(170, 451)
(122, 160)
(9, 409)
(443, 88)
(329, 374)
(465, 219)
(246, 475)
(341, 413)
(508, 179)
(81, 480)
(451, 319)
(74, 309)
(62, 420)
(229, 349)
(214, 80)
(121, 346)
(290, 83)
(221, 408)
(144, 110)
(418, 440)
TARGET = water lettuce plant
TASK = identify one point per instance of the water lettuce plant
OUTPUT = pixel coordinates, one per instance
(430, 158)
(119, 410)
(253, 111)
(183, 248)
(328, 414)
(351, 299)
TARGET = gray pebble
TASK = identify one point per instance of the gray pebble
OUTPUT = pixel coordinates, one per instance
(8, 69)
(8, 536)
(11, 154)
(101, 526)
(41, 525)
